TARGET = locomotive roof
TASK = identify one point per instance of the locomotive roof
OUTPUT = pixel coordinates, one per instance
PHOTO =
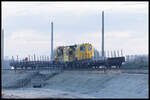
(73, 45)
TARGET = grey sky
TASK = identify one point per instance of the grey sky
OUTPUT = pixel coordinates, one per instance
(27, 26)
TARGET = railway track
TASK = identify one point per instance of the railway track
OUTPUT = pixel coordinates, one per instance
(87, 64)
(120, 70)
(113, 64)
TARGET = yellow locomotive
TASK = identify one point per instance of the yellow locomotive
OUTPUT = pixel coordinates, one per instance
(74, 52)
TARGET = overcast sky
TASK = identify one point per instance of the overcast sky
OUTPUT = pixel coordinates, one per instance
(27, 26)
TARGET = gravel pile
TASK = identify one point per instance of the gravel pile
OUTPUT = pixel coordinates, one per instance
(77, 84)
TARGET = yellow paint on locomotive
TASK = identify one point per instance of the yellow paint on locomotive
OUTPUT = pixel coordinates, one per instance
(84, 51)
(71, 53)
(66, 56)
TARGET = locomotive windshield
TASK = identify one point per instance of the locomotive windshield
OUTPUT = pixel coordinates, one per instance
(89, 48)
(82, 48)
(70, 52)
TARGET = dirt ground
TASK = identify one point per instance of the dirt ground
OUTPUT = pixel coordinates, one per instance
(76, 84)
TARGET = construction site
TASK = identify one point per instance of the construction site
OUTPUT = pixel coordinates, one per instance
(74, 71)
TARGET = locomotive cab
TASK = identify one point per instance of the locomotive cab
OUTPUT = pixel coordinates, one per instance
(85, 51)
